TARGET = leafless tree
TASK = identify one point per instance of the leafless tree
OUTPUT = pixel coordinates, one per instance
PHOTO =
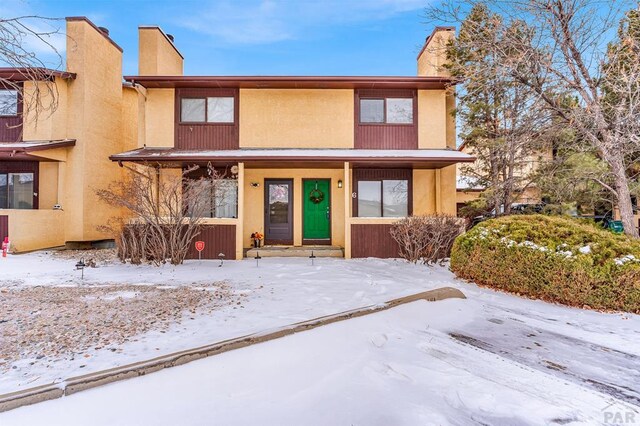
(503, 122)
(18, 37)
(164, 212)
(568, 49)
(427, 239)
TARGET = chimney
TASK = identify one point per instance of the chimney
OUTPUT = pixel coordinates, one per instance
(157, 54)
(433, 54)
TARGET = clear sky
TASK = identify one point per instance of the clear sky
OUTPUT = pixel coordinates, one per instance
(259, 37)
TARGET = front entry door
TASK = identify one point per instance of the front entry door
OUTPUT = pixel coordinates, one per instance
(316, 211)
(278, 211)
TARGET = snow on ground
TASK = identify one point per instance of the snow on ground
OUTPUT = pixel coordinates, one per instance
(397, 367)
(278, 292)
(493, 358)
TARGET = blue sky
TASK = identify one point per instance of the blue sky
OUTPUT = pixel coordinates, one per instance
(260, 37)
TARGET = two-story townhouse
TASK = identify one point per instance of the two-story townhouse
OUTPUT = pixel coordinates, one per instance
(51, 166)
(308, 161)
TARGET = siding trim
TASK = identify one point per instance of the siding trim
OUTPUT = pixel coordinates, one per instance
(382, 174)
(385, 135)
(206, 136)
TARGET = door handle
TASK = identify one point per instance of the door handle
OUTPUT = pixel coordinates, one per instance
(328, 214)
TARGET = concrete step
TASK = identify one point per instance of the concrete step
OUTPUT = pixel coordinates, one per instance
(296, 251)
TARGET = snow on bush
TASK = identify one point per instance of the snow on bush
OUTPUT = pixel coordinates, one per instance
(552, 258)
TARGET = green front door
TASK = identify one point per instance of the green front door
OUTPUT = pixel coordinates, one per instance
(316, 211)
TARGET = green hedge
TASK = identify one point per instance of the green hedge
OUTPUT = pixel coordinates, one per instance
(552, 258)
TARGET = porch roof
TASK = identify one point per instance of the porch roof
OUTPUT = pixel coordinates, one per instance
(20, 149)
(297, 157)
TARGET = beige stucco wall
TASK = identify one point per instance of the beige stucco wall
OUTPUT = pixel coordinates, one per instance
(296, 118)
(130, 118)
(466, 196)
(50, 122)
(159, 118)
(447, 190)
(432, 119)
(35, 229)
(48, 185)
(254, 201)
(156, 54)
(424, 192)
(95, 97)
(434, 56)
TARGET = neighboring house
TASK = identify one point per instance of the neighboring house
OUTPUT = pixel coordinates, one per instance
(49, 168)
(306, 160)
(467, 189)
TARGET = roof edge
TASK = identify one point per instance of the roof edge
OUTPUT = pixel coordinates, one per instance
(31, 146)
(23, 74)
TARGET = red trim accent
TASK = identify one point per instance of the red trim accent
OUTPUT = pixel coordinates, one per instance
(293, 82)
(386, 135)
(373, 240)
(17, 148)
(25, 167)
(379, 175)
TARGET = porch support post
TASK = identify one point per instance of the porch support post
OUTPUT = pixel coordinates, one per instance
(240, 219)
(347, 210)
(438, 190)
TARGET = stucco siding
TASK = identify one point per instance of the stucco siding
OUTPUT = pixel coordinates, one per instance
(296, 118)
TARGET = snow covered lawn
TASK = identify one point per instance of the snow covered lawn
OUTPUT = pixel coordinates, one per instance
(56, 323)
(397, 367)
(493, 358)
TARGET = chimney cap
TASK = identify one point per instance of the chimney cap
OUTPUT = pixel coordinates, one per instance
(104, 30)
(171, 37)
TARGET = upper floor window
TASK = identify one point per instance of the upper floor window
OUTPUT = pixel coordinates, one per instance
(8, 102)
(207, 110)
(386, 110)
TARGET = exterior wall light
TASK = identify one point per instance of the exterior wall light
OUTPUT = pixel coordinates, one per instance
(255, 184)
(340, 183)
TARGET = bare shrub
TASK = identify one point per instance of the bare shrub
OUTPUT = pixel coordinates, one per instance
(427, 239)
(163, 215)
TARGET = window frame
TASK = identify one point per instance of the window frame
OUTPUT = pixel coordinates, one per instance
(206, 111)
(384, 110)
(24, 167)
(381, 175)
(201, 173)
(18, 91)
